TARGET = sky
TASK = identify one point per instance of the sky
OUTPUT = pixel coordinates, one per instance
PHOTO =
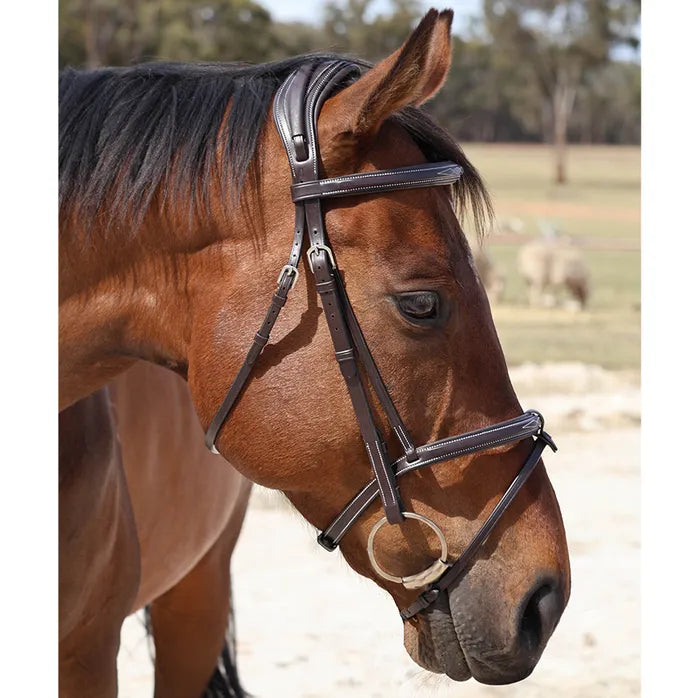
(312, 10)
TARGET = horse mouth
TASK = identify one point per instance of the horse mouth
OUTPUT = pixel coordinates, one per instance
(446, 640)
(432, 642)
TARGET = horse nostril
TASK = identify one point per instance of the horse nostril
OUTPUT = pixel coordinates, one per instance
(539, 618)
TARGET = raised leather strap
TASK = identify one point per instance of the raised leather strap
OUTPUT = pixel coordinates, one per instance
(302, 151)
(412, 177)
(459, 567)
(375, 378)
(522, 427)
(327, 285)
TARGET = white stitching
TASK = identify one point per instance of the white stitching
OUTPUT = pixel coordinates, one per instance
(411, 168)
(402, 436)
(373, 494)
(311, 97)
(337, 538)
(368, 493)
(281, 120)
(377, 471)
(360, 496)
(478, 447)
(473, 435)
(432, 181)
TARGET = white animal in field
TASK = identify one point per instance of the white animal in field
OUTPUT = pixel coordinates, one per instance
(491, 277)
(512, 225)
(553, 268)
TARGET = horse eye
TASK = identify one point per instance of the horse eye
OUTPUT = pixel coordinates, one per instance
(419, 305)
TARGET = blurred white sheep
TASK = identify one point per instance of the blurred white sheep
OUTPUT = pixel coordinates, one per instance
(510, 226)
(553, 266)
(491, 277)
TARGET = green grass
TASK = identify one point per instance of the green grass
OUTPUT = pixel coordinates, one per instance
(599, 207)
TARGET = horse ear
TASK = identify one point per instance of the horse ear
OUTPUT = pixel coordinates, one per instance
(409, 76)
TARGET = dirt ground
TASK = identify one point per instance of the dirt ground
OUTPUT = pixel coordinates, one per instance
(309, 627)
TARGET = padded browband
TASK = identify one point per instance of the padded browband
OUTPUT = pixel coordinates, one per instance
(411, 177)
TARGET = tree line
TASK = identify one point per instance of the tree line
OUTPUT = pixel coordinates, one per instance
(525, 70)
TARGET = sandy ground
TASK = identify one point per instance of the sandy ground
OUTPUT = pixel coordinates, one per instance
(310, 627)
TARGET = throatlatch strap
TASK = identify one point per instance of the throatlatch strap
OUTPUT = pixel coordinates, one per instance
(285, 283)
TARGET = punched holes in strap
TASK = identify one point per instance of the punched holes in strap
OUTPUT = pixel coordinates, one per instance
(327, 286)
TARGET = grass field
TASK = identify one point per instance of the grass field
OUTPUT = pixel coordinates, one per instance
(600, 208)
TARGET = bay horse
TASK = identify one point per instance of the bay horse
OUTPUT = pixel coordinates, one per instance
(174, 216)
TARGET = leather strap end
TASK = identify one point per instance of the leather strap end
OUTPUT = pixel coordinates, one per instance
(427, 598)
(326, 543)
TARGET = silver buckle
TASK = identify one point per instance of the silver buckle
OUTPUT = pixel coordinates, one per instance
(293, 271)
(317, 248)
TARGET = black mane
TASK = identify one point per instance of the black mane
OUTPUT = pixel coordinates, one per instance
(125, 132)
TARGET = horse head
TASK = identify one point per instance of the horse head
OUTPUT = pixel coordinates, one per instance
(199, 285)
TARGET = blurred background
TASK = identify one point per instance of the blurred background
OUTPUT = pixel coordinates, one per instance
(545, 96)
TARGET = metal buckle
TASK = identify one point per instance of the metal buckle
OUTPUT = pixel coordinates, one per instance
(317, 248)
(421, 579)
(292, 270)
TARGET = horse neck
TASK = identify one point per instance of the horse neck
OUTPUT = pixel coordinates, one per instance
(129, 297)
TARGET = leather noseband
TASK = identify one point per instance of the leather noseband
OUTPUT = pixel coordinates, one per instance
(296, 108)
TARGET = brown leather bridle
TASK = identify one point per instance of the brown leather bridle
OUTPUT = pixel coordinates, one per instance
(296, 108)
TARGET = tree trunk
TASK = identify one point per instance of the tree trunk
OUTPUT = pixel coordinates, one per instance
(92, 29)
(135, 47)
(562, 104)
(559, 150)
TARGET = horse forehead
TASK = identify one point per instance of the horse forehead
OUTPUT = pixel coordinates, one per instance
(415, 218)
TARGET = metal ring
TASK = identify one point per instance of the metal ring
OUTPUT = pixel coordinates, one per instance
(421, 579)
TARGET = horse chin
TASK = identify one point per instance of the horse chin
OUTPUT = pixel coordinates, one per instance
(431, 641)
(434, 642)
(462, 636)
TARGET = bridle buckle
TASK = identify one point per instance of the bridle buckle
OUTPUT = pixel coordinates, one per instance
(317, 249)
(291, 269)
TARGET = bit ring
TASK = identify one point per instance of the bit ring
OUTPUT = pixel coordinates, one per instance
(420, 579)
